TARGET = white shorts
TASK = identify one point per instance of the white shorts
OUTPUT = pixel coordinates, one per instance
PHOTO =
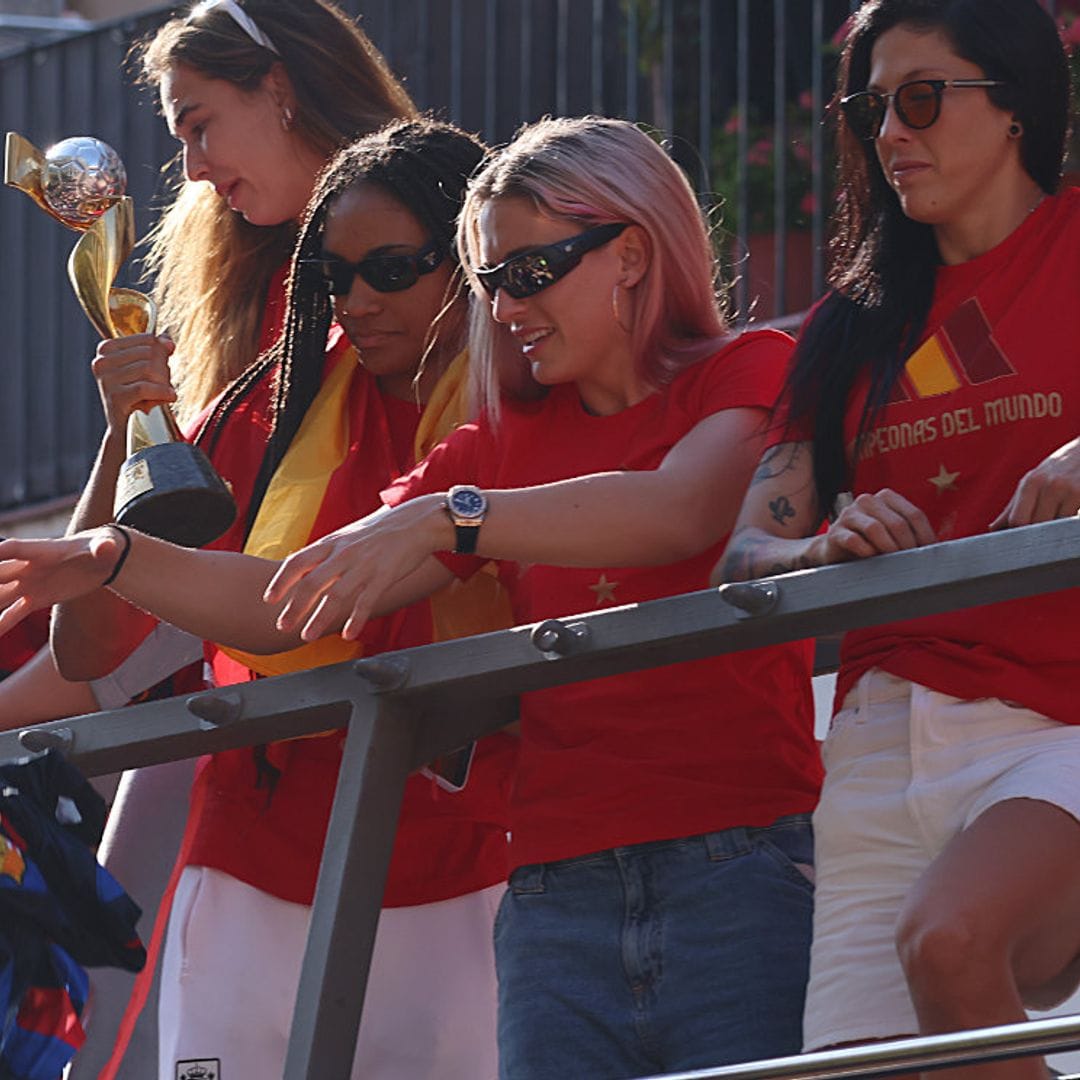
(232, 962)
(906, 769)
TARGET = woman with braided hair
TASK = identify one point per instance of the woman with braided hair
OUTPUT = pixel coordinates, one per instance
(368, 374)
(260, 94)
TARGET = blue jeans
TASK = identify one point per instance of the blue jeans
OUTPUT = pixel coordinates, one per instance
(658, 957)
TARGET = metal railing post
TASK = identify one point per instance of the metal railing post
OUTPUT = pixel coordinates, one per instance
(348, 896)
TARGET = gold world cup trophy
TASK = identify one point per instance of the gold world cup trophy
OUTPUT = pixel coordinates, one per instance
(167, 487)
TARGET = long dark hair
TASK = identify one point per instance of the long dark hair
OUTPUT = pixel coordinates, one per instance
(425, 165)
(883, 264)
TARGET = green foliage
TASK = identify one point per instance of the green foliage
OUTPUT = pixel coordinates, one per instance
(759, 168)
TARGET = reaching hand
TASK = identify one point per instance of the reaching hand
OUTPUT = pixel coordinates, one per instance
(337, 581)
(876, 525)
(1049, 491)
(37, 573)
(132, 372)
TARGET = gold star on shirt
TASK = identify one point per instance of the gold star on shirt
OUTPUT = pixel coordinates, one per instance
(605, 590)
(945, 480)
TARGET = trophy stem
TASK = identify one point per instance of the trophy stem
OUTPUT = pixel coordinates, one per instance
(150, 427)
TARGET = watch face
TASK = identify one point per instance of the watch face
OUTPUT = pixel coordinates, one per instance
(467, 502)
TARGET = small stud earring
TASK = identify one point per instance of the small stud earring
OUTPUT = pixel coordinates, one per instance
(286, 119)
(1015, 130)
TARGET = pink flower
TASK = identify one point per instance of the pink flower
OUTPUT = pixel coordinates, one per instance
(731, 127)
(1070, 31)
(800, 150)
(760, 153)
(806, 100)
(808, 204)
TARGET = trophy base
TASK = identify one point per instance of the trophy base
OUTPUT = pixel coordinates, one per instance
(171, 491)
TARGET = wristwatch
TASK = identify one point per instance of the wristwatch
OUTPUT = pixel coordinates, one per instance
(467, 505)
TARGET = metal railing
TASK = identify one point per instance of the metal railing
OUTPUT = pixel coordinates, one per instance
(403, 709)
(900, 1056)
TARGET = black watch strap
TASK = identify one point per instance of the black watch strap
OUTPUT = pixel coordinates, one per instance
(465, 537)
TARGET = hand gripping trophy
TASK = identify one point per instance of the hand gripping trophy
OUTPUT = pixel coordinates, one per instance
(167, 487)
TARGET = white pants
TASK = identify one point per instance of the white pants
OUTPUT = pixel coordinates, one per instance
(906, 769)
(232, 962)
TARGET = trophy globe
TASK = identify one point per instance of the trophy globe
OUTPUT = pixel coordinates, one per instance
(81, 178)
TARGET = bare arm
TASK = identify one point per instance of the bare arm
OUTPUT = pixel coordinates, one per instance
(777, 528)
(649, 518)
(92, 634)
(211, 594)
(38, 692)
(607, 519)
(214, 595)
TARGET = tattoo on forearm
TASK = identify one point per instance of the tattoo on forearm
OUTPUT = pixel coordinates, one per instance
(753, 554)
(781, 509)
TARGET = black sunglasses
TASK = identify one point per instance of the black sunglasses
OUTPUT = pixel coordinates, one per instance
(384, 273)
(533, 270)
(917, 103)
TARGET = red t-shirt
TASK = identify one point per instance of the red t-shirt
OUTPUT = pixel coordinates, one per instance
(23, 642)
(656, 754)
(272, 837)
(993, 389)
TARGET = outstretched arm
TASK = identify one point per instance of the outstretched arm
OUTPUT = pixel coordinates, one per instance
(91, 635)
(777, 528)
(211, 594)
(644, 518)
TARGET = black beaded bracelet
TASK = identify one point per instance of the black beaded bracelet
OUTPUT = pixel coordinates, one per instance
(123, 554)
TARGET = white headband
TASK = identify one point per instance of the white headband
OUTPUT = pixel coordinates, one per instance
(239, 16)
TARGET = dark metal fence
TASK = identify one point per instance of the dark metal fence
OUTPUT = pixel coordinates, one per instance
(707, 74)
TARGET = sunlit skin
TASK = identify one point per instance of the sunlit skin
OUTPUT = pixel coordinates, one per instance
(389, 330)
(963, 174)
(233, 140)
(567, 332)
(236, 141)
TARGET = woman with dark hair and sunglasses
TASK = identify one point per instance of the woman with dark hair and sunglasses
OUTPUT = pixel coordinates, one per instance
(369, 373)
(937, 382)
(659, 915)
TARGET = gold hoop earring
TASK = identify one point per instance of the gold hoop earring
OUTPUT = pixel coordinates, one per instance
(615, 309)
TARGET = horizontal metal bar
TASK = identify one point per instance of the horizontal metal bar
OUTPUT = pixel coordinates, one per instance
(168, 730)
(466, 687)
(930, 1052)
(264, 711)
(811, 603)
